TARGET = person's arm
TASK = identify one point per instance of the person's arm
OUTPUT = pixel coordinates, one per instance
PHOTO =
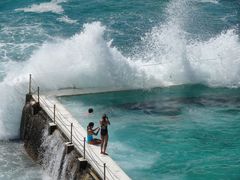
(95, 128)
(96, 133)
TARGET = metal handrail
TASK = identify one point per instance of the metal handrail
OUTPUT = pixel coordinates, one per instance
(59, 118)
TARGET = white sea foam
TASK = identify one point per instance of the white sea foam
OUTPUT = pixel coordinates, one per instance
(84, 60)
(12, 101)
(53, 154)
(45, 176)
(210, 1)
(171, 58)
(67, 20)
(15, 164)
(53, 6)
(88, 60)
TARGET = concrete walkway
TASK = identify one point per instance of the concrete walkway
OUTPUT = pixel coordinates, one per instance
(63, 119)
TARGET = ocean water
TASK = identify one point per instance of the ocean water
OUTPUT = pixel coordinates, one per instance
(15, 164)
(135, 44)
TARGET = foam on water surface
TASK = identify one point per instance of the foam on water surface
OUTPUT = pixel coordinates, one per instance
(14, 162)
(52, 6)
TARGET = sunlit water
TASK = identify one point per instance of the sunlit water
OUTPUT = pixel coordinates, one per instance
(183, 132)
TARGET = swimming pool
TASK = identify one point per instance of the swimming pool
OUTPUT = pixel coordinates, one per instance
(180, 132)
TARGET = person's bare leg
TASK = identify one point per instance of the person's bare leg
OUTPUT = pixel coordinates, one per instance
(96, 141)
(105, 144)
(102, 138)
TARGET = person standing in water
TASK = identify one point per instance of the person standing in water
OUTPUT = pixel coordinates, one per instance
(104, 122)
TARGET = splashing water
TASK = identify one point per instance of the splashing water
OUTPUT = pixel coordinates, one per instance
(53, 156)
(86, 59)
(170, 53)
(171, 57)
(53, 6)
(168, 57)
(73, 66)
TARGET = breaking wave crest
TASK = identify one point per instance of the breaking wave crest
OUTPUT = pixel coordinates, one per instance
(168, 57)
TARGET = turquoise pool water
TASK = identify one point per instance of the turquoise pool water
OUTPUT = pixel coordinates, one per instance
(181, 132)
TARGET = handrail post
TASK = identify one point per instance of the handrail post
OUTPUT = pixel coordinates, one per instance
(30, 84)
(54, 114)
(84, 146)
(71, 132)
(38, 90)
(104, 171)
